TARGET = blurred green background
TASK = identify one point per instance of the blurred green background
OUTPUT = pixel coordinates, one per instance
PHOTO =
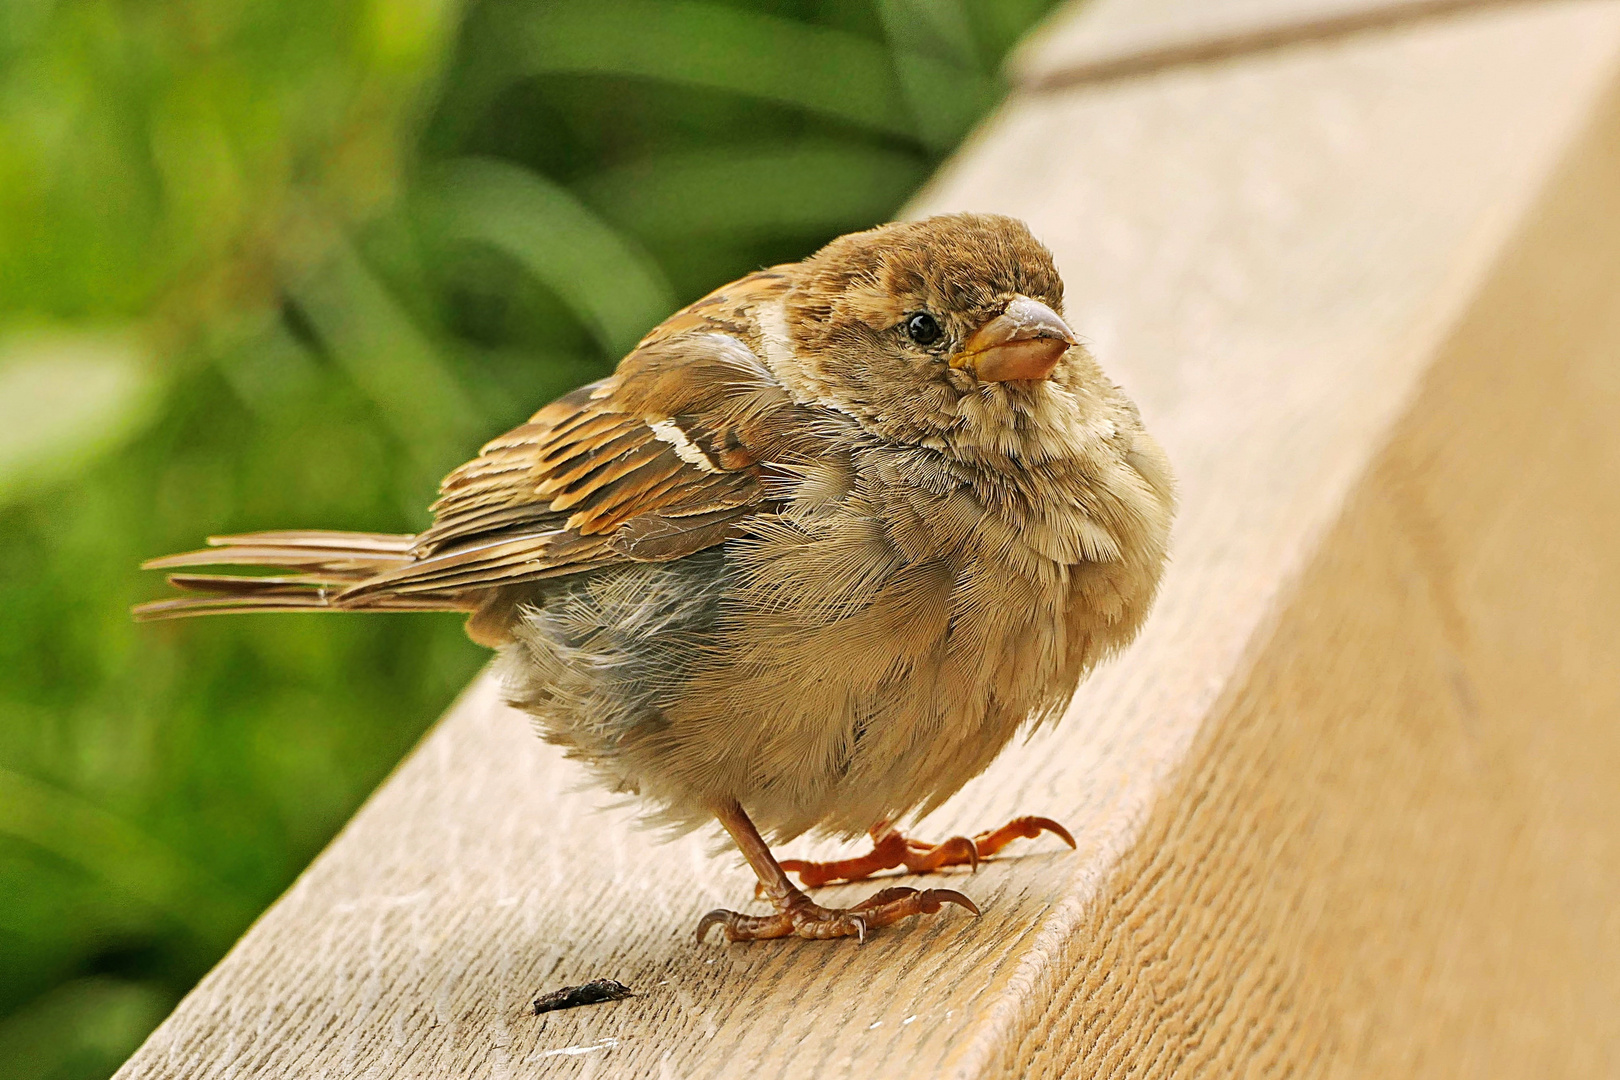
(270, 263)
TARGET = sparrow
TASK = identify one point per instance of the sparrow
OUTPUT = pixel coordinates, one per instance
(820, 546)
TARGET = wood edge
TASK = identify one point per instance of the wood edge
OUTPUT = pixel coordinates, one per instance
(1033, 73)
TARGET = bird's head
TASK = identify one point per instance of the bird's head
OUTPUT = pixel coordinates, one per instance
(924, 328)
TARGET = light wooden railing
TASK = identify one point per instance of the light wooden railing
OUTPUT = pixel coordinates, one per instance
(1351, 806)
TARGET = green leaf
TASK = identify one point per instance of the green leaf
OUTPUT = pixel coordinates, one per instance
(755, 192)
(824, 71)
(85, 1028)
(392, 361)
(66, 399)
(617, 291)
(935, 58)
(120, 854)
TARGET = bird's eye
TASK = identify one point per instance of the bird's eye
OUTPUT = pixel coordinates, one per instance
(923, 328)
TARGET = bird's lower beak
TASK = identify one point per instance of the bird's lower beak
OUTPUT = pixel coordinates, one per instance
(1024, 342)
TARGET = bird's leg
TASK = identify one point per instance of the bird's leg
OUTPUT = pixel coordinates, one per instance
(890, 849)
(796, 914)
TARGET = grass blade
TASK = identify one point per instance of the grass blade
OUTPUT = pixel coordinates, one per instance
(617, 291)
(824, 71)
(121, 854)
(393, 362)
(755, 192)
(85, 1027)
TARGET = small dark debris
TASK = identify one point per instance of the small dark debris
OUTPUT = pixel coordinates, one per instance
(592, 993)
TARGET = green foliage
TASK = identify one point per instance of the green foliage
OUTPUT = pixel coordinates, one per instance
(270, 263)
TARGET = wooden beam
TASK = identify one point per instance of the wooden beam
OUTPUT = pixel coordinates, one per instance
(1349, 803)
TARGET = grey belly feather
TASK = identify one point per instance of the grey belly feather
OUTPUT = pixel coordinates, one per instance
(599, 655)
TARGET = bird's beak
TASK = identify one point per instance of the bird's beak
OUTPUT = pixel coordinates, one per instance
(1024, 342)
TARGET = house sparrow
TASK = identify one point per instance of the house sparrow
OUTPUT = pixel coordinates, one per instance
(814, 552)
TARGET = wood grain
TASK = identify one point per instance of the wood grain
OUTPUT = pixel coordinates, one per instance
(1343, 809)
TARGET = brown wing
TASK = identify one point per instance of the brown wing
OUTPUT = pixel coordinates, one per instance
(658, 461)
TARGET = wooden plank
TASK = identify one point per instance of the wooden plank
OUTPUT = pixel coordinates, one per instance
(1395, 848)
(1316, 818)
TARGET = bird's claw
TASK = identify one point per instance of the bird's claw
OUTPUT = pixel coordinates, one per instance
(802, 918)
(892, 850)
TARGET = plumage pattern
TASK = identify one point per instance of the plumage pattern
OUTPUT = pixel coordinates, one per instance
(788, 564)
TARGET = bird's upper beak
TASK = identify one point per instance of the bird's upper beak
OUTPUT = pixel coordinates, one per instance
(1024, 342)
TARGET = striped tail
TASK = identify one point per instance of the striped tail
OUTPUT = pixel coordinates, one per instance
(315, 567)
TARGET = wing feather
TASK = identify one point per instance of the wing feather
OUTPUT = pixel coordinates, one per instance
(599, 476)
(660, 460)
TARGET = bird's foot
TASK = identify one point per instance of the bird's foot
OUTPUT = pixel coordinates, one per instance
(799, 916)
(890, 849)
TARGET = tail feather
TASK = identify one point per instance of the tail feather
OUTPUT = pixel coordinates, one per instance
(383, 543)
(324, 565)
(350, 556)
(242, 585)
